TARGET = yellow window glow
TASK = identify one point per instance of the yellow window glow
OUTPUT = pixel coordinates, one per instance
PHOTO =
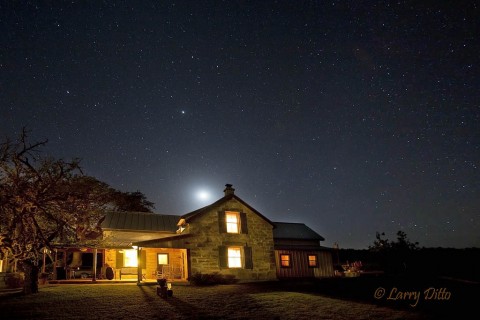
(162, 258)
(130, 258)
(285, 260)
(232, 222)
(312, 261)
(234, 258)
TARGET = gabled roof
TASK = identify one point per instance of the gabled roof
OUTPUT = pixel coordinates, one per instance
(299, 231)
(197, 213)
(140, 221)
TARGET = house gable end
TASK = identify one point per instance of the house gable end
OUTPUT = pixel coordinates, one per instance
(220, 203)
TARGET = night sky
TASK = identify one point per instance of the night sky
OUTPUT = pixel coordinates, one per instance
(349, 116)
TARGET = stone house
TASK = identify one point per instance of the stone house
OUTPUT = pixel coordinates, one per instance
(228, 237)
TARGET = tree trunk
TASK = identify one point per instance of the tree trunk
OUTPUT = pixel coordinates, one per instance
(76, 259)
(30, 284)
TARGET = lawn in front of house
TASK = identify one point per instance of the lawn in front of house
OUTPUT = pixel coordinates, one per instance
(239, 301)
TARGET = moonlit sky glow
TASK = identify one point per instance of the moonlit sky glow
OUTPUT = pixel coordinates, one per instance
(350, 116)
(203, 195)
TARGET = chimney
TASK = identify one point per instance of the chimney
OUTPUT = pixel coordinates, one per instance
(228, 190)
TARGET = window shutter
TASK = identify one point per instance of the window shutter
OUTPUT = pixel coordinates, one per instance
(222, 257)
(248, 257)
(222, 222)
(119, 260)
(243, 222)
(143, 259)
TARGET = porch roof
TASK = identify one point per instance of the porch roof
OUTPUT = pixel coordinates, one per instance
(174, 241)
(301, 247)
(140, 221)
(297, 231)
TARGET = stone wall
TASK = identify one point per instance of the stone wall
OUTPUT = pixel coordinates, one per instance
(204, 248)
(110, 257)
(3, 284)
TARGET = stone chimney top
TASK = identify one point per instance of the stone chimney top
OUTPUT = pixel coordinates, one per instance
(228, 189)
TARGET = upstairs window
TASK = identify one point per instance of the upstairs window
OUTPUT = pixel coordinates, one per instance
(312, 261)
(232, 222)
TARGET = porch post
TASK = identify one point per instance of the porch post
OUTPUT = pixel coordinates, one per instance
(55, 265)
(43, 265)
(139, 265)
(94, 276)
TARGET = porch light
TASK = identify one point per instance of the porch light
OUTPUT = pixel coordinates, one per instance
(45, 251)
(130, 258)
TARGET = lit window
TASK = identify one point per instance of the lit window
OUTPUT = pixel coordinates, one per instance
(312, 260)
(162, 258)
(232, 221)
(130, 258)
(285, 260)
(234, 258)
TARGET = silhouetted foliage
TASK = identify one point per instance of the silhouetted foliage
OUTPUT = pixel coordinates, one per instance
(431, 262)
(394, 256)
(45, 201)
(210, 279)
(131, 201)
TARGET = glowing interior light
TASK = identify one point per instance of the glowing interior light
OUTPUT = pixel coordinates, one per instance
(130, 258)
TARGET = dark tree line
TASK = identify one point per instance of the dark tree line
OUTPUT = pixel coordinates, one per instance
(403, 257)
(394, 256)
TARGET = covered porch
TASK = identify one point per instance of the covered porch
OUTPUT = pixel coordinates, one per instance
(140, 265)
(122, 265)
(148, 264)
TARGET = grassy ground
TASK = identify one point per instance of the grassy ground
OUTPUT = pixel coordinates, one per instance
(305, 300)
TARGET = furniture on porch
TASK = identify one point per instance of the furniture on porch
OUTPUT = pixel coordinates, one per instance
(166, 271)
(132, 271)
(70, 273)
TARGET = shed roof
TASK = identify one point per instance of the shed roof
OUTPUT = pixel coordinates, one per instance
(140, 221)
(288, 230)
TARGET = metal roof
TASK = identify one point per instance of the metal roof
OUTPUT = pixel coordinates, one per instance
(140, 221)
(287, 230)
(301, 248)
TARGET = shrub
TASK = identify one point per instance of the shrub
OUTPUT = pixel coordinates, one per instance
(210, 279)
(14, 280)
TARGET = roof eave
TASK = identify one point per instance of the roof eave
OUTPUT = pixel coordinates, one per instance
(282, 238)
